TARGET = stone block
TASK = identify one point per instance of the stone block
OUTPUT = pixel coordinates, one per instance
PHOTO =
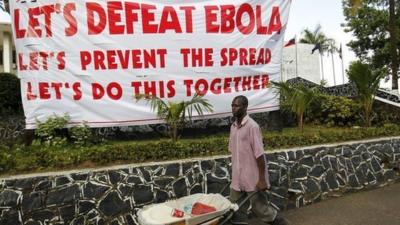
(92, 215)
(126, 190)
(215, 184)
(346, 152)
(94, 190)
(63, 180)
(375, 165)
(365, 156)
(129, 220)
(300, 201)
(371, 179)
(331, 179)
(380, 178)
(274, 177)
(135, 180)
(353, 181)
(25, 184)
(300, 174)
(361, 148)
(161, 196)
(43, 185)
(296, 187)
(43, 215)
(31, 222)
(32, 201)
(207, 165)
(389, 175)
(80, 176)
(317, 171)
(143, 194)
(356, 160)
(116, 176)
(281, 192)
(113, 205)
(197, 189)
(349, 166)
(221, 172)
(326, 163)
(291, 155)
(307, 161)
(324, 186)
(163, 182)
(85, 206)
(186, 167)
(361, 177)
(312, 187)
(9, 198)
(78, 221)
(115, 222)
(172, 170)
(273, 165)
(145, 175)
(67, 213)
(10, 217)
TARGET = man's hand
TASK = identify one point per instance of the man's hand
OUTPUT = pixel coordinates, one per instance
(262, 185)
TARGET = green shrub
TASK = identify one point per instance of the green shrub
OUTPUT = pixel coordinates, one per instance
(81, 134)
(385, 113)
(335, 111)
(7, 160)
(52, 132)
(48, 157)
(10, 95)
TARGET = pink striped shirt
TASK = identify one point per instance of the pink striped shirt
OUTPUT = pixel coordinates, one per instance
(245, 144)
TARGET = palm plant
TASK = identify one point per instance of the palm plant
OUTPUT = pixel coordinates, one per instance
(175, 113)
(316, 37)
(296, 98)
(367, 83)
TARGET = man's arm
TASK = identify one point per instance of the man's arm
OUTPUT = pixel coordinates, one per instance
(262, 183)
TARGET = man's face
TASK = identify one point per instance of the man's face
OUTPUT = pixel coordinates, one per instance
(238, 109)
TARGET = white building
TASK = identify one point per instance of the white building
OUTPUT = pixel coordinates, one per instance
(7, 58)
(298, 61)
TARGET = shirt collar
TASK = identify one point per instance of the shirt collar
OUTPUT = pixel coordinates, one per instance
(244, 121)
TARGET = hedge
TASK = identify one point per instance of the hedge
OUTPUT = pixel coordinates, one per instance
(44, 158)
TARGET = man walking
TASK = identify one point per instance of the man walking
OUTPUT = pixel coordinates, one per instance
(249, 170)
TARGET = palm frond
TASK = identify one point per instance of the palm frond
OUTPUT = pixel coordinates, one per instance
(156, 104)
(199, 104)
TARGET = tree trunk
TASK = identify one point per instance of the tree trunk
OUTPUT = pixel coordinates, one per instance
(393, 43)
(174, 131)
(301, 122)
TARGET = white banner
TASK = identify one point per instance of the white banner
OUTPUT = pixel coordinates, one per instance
(89, 58)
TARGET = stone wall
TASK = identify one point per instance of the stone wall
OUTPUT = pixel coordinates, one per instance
(113, 195)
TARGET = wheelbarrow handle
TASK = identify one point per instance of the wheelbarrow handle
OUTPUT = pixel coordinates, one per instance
(238, 206)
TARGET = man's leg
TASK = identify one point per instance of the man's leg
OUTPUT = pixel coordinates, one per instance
(240, 216)
(261, 207)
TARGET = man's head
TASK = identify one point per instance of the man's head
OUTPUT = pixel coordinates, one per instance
(239, 106)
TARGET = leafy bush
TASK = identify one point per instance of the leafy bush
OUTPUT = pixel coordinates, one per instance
(385, 113)
(49, 157)
(334, 111)
(52, 132)
(10, 95)
(80, 134)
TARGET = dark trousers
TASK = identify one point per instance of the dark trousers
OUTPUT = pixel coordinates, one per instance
(259, 205)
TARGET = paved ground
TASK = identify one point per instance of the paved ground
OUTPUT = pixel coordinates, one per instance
(375, 207)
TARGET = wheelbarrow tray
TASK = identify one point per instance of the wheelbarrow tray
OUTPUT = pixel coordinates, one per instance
(160, 214)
